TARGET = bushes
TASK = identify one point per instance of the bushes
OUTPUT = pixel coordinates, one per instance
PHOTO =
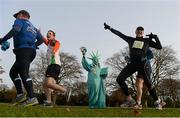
(7, 96)
(82, 99)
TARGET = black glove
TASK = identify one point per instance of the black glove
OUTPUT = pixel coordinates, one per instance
(151, 35)
(37, 47)
(154, 36)
(1, 40)
(127, 59)
(106, 26)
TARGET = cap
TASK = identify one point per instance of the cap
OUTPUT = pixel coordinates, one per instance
(140, 28)
(24, 12)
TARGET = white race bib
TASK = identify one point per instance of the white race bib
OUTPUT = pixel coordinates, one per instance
(138, 44)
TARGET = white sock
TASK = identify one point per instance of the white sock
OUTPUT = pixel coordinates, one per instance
(139, 102)
(18, 95)
(48, 101)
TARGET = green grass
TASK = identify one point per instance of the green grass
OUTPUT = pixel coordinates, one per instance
(79, 111)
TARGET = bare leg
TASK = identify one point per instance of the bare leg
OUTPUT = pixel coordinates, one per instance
(51, 83)
(139, 86)
(47, 91)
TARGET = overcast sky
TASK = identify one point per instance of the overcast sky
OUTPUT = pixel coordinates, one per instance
(80, 23)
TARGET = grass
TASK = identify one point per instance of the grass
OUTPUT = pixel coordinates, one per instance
(79, 111)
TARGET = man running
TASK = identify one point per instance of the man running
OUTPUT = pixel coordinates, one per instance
(24, 36)
(53, 70)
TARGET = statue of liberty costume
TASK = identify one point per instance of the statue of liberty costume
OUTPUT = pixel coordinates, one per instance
(96, 74)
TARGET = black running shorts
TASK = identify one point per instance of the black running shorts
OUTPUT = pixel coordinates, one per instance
(53, 70)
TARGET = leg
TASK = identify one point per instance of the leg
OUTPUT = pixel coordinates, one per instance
(124, 74)
(15, 78)
(139, 86)
(147, 72)
(52, 74)
(147, 81)
(25, 57)
(47, 90)
(20, 97)
(51, 83)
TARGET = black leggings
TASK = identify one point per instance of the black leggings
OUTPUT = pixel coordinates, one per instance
(131, 68)
(24, 56)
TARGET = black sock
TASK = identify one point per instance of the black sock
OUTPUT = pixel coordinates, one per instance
(29, 87)
(153, 94)
(18, 85)
(124, 88)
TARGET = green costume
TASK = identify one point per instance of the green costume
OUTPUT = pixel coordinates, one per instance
(96, 74)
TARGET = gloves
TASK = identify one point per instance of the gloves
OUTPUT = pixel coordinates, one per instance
(127, 59)
(37, 47)
(1, 40)
(106, 26)
(151, 35)
(83, 50)
(5, 45)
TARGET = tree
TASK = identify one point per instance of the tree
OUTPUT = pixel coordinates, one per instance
(1, 69)
(1, 72)
(171, 88)
(165, 65)
(70, 68)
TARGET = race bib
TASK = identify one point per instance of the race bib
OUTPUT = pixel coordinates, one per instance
(138, 44)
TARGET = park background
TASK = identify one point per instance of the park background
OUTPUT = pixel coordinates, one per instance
(80, 23)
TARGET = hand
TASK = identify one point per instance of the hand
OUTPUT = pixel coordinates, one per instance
(151, 35)
(106, 26)
(154, 36)
(83, 50)
(5, 45)
(1, 41)
(53, 52)
(37, 47)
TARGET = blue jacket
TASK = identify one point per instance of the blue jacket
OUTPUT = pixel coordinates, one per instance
(24, 34)
(149, 54)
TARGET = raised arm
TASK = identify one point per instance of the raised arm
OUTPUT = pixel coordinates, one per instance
(14, 31)
(156, 44)
(85, 64)
(121, 35)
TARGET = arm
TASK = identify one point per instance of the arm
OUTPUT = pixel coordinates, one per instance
(121, 35)
(14, 31)
(85, 64)
(45, 40)
(124, 37)
(9, 35)
(156, 44)
(40, 39)
(56, 47)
